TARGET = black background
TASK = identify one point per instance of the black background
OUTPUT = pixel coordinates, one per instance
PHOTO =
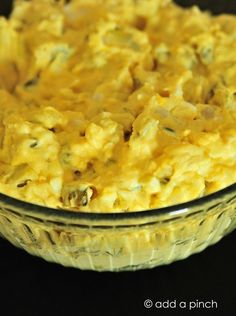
(31, 286)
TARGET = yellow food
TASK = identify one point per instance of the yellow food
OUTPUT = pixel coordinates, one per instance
(113, 106)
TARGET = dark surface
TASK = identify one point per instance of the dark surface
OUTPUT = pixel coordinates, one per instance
(216, 6)
(31, 286)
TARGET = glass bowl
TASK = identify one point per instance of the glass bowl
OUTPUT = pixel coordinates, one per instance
(119, 241)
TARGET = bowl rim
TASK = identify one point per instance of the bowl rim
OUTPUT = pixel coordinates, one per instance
(12, 204)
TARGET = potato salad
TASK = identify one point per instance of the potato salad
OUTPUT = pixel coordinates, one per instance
(116, 105)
